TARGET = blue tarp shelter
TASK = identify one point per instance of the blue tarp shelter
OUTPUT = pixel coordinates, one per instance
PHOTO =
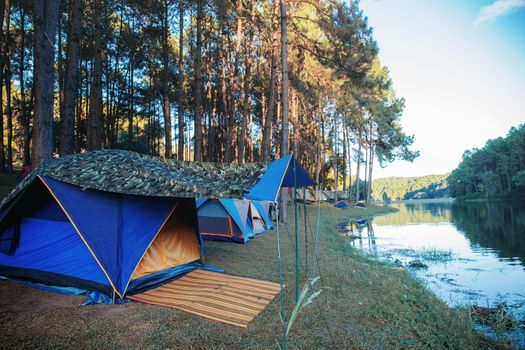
(280, 173)
(60, 234)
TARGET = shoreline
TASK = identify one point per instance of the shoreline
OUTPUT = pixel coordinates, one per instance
(364, 303)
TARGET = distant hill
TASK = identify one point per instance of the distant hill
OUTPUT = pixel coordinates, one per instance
(420, 187)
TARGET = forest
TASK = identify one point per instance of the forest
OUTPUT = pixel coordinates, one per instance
(220, 81)
(495, 170)
(418, 187)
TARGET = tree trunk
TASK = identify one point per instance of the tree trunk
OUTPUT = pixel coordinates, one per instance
(349, 162)
(370, 161)
(359, 142)
(336, 158)
(3, 45)
(9, 111)
(131, 108)
(24, 116)
(284, 69)
(180, 107)
(60, 69)
(272, 96)
(165, 83)
(197, 86)
(45, 24)
(247, 82)
(318, 150)
(95, 118)
(284, 102)
(71, 84)
(234, 83)
(223, 110)
(345, 140)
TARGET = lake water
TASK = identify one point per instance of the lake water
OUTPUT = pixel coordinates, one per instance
(474, 252)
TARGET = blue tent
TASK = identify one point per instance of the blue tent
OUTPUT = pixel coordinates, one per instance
(280, 173)
(263, 211)
(341, 205)
(60, 234)
(224, 219)
(268, 209)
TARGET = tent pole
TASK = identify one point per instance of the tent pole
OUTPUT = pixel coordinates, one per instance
(305, 235)
(281, 292)
(296, 230)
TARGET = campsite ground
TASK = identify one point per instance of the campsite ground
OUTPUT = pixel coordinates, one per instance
(364, 304)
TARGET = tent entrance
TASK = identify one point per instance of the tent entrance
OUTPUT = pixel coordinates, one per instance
(175, 244)
(214, 220)
(258, 223)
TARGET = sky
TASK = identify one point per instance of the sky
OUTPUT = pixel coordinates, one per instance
(460, 65)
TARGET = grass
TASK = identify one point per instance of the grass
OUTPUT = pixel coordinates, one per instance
(364, 304)
(426, 254)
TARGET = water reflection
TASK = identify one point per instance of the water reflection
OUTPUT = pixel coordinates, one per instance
(360, 231)
(499, 226)
(417, 213)
(471, 254)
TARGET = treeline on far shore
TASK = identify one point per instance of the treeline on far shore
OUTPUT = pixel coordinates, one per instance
(416, 187)
(497, 170)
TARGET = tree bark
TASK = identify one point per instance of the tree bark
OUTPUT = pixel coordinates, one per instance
(272, 96)
(284, 70)
(95, 117)
(358, 167)
(131, 109)
(345, 140)
(45, 24)
(165, 83)
(24, 116)
(247, 82)
(60, 69)
(197, 86)
(180, 107)
(234, 89)
(349, 162)
(9, 111)
(284, 102)
(317, 150)
(3, 45)
(71, 84)
(336, 156)
(370, 161)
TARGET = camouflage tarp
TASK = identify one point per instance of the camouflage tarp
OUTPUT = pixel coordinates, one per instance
(128, 172)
